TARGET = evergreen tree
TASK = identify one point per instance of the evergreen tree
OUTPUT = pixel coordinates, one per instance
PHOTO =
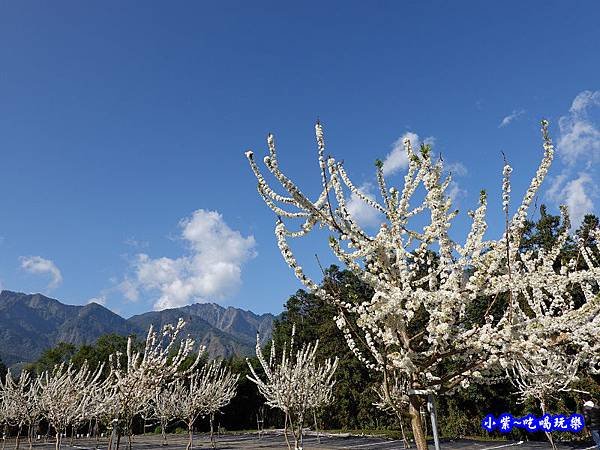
(353, 408)
(3, 370)
(49, 358)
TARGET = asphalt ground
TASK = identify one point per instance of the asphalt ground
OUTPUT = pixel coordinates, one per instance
(276, 440)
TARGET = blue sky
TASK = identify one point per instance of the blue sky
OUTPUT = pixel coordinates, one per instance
(123, 127)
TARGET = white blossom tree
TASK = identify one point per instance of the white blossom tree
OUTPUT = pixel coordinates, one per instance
(543, 376)
(165, 408)
(203, 394)
(3, 414)
(131, 387)
(295, 384)
(100, 405)
(561, 340)
(19, 403)
(3, 418)
(14, 400)
(393, 399)
(64, 395)
(419, 326)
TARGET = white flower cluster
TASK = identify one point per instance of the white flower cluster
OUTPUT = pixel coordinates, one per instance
(442, 313)
(544, 375)
(506, 171)
(296, 384)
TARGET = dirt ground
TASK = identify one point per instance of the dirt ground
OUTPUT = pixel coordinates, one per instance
(275, 440)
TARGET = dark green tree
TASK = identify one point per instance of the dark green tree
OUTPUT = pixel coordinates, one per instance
(3, 370)
(541, 234)
(314, 319)
(62, 353)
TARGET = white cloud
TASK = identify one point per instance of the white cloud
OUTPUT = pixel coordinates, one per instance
(211, 269)
(39, 265)
(364, 214)
(584, 100)
(129, 289)
(456, 169)
(454, 191)
(511, 117)
(556, 185)
(135, 243)
(577, 199)
(576, 194)
(579, 135)
(579, 148)
(397, 159)
(101, 300)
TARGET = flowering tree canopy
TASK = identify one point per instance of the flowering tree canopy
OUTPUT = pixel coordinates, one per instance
(19, 402)
(64, 395)
(443, 313)
(296, 383)
(132, 387)
(203, 394)
(164, 407)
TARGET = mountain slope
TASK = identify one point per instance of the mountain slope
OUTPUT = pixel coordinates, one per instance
(31, 323)
(225, 331)
(217, 342)
(237, 322)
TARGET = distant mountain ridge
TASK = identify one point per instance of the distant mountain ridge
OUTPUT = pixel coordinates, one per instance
(32, 323)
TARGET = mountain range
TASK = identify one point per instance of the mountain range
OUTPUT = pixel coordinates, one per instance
(32, 323)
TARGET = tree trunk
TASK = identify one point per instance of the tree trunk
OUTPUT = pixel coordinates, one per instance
(404, 439)
(414, 408)
(30, 436)
(285, 428)
(317, 426)
(163, 425)
(96, 431)
(191, 436)
(300, 434)
(294, 432)
(17, 442)
(58, 439)
(212, 434)
(129, 433)
(548, 435)
(111, 438)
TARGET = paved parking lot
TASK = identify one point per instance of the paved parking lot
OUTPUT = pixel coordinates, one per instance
(275, 440)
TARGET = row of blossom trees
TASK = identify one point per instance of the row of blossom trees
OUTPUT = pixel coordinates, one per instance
(150, 381)
(443, 313)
